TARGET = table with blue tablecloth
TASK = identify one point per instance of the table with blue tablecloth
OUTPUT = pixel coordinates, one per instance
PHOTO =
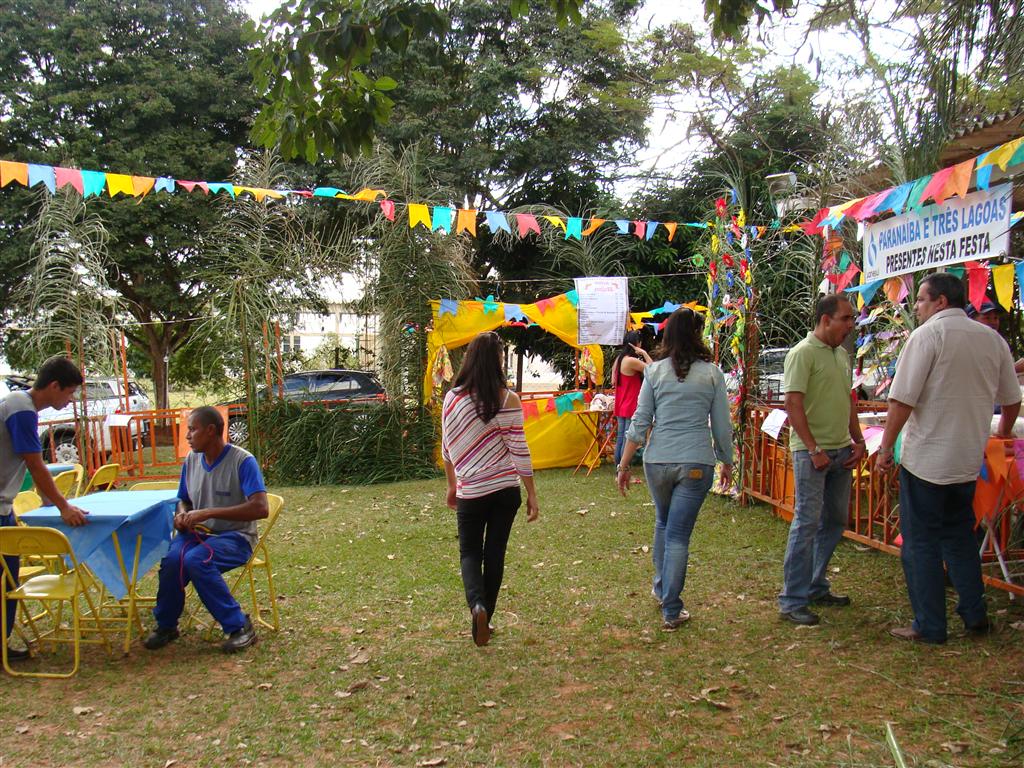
(127, 534)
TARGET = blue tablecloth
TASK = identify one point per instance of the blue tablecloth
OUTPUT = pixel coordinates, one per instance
(126, 513)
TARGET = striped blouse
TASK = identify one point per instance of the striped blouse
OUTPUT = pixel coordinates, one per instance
(487, 457)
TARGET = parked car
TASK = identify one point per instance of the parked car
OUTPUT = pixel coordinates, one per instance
(331, 385)
(104, 396)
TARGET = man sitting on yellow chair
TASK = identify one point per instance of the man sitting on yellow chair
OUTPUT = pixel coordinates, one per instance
(55, 385)
(220, 497)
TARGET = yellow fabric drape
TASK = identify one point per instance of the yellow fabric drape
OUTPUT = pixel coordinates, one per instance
(559, 317)
(558, 441)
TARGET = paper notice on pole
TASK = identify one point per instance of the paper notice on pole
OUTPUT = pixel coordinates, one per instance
(774, 422)
(603, 307)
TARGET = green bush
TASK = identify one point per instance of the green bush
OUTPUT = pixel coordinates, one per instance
(355, 444)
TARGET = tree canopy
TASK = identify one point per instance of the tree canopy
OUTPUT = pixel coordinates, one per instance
(149, 86)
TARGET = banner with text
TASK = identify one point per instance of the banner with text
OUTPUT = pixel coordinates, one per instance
(973, 228)
(604, 304)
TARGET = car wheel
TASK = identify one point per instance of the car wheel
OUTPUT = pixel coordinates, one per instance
(238, 431)
(65, 450)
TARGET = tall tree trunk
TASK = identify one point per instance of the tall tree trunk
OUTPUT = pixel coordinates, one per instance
(158, 347)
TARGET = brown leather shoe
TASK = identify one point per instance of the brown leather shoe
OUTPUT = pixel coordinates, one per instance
(909, 633)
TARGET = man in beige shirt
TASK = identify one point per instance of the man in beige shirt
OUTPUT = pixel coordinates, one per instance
(950, 375)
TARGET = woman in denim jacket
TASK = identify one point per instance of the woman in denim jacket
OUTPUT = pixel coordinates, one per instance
(681, 393)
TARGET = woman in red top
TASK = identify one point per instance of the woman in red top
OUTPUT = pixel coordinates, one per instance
(627, 376)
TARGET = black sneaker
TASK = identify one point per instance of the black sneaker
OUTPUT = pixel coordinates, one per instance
(840, 601)
(980, 629)
(18, 654)
(803, 616)
(160, 637)
(481, 629)
(240, 639)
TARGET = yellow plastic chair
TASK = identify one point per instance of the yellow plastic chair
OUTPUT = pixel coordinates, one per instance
(259, 561)
(68, 586)
(103, 480)
(155, 485)
(69, 482)
(26, 501)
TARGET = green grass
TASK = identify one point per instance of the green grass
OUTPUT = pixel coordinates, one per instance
(375, 665)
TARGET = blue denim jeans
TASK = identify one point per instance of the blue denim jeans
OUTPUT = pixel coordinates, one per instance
(678, 490)
(937, 524)
(821, 515)
(620, 437)
(201, 563)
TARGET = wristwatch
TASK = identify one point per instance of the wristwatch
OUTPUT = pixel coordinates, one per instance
(621, 469)
(816, 451)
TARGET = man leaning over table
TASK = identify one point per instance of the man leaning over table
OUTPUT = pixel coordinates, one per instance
(54, 387)
(220, 498)
(818, 382)
(951, 373)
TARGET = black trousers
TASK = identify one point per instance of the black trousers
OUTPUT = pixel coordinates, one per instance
(484, 528)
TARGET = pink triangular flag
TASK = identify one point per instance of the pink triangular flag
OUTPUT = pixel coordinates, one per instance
(71, 176)
(640, 229)
(936, 188)
(387, 207)
(527, 223)
(977, 282)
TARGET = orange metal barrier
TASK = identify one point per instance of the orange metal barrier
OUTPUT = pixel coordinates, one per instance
(874, 500)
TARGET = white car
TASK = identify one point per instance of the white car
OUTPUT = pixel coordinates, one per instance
(769, 374)
(104, 397)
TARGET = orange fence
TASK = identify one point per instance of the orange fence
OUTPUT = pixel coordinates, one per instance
(874, 501)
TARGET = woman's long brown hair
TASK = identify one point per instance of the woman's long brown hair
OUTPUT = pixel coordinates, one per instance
(682, 341)
(481, 375)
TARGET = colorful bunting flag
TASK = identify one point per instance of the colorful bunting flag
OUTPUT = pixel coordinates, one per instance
(593, 226)
(574, 228)
(13, 172)
(419, 214)
(496, 221)
(72, 176)
(448, 306)
(441, 220)
(42, 174)
(977, 282)
(1002, 280)
(466, 221)
(527, 223)
(387, 207)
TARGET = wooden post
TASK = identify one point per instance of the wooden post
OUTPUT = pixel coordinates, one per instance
(124, 371)
(519, 370)
(280, 367)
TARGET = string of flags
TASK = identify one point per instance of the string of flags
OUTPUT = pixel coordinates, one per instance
(433, 218)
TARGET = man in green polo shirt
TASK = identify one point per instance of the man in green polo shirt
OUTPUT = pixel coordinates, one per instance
(817, 381)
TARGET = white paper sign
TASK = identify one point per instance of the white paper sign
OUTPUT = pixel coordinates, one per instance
(774, 422)
(974, 228)
(119, 419)
(603, 307)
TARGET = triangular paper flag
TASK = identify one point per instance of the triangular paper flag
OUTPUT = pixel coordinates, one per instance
(529, 409)
(13, 172)
(671, 227)
(960, 180)
(496, 220)
(983, 177)
(219, 186)
(640, 229)
(327, 192)
(119, 183)
(466, 221)
(526, 223)
(72, 176)
(164, 184)
(93, 183)
(574, 228)
(1001, 155)
(895, 289)
(188, 185)
(896, 199)
(1018, 268)
(1002, 279)
(442, 219)
(387, 207)
(652, 227)
(936, 188)
(977, 282)
(365, 195)
(42, 174)
(142, 185)
(556, 221)
(914, 198)
(419, 214)
(623, 226)
(593, 226)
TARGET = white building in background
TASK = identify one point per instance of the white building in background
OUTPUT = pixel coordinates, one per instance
(308, 331)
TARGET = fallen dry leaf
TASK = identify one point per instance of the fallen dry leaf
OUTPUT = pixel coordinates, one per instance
(358, 686)
(955, 747)
(82, 710)
(360, 657)
(488, 704)
(433, 761)
(264, 686)
(21, 729)
(169, 763)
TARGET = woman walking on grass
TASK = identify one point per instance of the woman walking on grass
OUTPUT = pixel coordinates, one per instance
(627, 378)
(681, 391)
(485, 457)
